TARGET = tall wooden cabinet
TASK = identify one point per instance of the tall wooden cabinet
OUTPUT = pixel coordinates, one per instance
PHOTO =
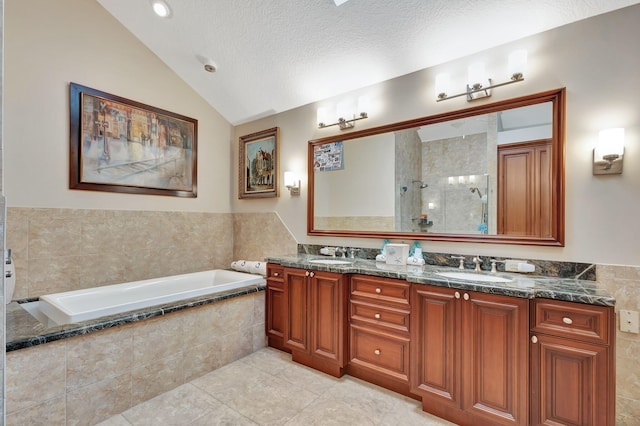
(573, 376)
(469, 355)
(275, 307)
(315, 320)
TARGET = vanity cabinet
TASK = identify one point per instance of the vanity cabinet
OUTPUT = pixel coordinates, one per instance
(469, 356)
(315, 319)
(275, 307)
(379, 331)
(573, 376)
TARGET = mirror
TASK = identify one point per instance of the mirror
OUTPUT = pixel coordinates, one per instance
(492, 173)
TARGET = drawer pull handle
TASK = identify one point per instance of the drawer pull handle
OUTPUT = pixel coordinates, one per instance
(567, 320)
(377, 352)
(377, 316)
(466, 296)
(378, 290)
(457, 294)
(534, 339)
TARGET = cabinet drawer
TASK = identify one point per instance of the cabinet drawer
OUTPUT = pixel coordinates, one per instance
(382, 352)
(380, 316)
(572, 320)
(380, 289)
(275, 272)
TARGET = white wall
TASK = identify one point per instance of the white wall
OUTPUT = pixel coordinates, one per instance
(595, 59)
(51, 43)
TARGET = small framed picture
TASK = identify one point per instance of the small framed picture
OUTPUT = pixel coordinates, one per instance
(259, 153)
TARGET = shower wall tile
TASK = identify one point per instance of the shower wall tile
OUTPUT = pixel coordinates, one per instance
(91, 404)
(157, 339)
(158, 377)
(51, 412)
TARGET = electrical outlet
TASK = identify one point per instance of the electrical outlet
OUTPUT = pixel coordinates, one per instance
(629, 321)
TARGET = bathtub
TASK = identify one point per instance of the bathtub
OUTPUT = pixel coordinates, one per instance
(87, 304)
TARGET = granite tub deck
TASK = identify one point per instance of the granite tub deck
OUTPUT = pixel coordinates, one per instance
(522, 285)
(23, 330)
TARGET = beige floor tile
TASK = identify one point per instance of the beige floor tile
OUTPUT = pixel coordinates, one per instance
(179, 406)
(331, 413)
(118, 420)
(262, 397)
(223, 416)
(48, 413)
(408, 412)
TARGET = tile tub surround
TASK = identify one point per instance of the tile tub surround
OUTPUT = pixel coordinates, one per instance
(59, 250)
(523, 286)
(90, 377)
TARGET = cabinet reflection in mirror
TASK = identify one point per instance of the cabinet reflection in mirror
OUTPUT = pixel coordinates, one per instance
(492, 173)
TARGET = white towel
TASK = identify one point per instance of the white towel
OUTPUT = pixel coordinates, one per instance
(415, 261)
(381, 258)
(251, 267)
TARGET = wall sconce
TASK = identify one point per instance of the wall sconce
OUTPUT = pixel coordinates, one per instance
(609, 152)
(478, 85)
(344, 110)
(292, 183)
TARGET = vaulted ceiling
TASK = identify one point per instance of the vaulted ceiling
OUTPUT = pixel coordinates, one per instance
(275, 55)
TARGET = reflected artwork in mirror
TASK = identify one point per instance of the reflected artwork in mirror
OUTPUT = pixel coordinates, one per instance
(492, 173)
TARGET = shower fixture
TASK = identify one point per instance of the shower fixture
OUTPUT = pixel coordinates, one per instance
(477, 191)
(422, 184)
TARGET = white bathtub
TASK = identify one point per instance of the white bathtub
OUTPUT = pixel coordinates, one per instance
(83, 305)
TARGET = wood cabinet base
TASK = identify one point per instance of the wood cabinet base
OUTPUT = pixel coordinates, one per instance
(319, 364)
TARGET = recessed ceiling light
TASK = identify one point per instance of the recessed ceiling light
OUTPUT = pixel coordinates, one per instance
(161, 8)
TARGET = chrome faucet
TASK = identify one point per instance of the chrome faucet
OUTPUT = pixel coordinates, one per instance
(342, 251)
(477, 260)
(461, 258)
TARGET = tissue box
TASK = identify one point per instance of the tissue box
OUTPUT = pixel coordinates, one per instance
(396, 254)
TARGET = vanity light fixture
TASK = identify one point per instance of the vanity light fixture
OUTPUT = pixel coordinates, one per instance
(609, 152)
(478, 85)
(292, 183)
(161, 8)
(344, 109)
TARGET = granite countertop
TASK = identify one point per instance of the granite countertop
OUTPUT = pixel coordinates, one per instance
(521, 285)
(23, 330)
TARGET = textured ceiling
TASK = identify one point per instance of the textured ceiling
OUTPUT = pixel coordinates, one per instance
(275, 55)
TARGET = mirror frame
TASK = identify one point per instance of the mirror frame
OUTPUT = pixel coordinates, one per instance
(557, 97)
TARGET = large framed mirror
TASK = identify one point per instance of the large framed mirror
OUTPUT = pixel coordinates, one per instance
(492, 173)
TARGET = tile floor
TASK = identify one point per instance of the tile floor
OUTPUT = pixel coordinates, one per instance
(267, 388)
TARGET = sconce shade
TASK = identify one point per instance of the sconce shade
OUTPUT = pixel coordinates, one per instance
(323, 115)
(517, 64)
(344, 109)
(609, 152)
(443, 85)
(364, 104)
(289, 179)
(476, 74)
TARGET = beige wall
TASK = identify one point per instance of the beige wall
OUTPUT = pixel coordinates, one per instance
(597, 64)
(49, 44)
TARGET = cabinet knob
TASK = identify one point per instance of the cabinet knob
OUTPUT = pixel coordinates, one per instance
(275, 274)
(534, 339)
(567, 320)
(377, 352)
(312, 274)
(377, 316)
(378, 290)
(306, 274)
(466, 296)
(457, 294)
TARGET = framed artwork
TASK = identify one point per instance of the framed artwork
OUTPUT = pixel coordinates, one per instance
(259, 164)
(119, 145)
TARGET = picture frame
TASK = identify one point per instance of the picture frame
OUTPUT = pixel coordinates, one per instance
(259, 164)
(120, 145)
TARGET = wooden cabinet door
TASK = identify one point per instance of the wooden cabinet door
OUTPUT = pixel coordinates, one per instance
(327, 297)
(296, 296)
(435, 346)
(524, 189)
(570, 383)
(495, 354)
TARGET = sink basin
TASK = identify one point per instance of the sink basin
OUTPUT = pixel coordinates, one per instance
(331, 262)
(470, 276)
